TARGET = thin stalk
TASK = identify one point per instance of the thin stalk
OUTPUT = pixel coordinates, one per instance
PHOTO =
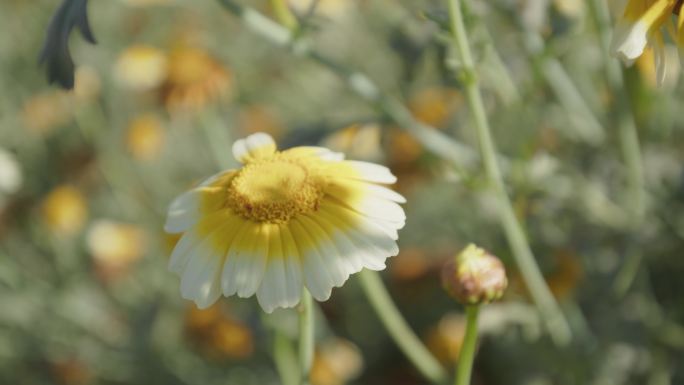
(218, 138)
(284, 14)
(629, 147)
(467, 354)
(554, 319)
(306, 335)
(398, 329)
(285, 359)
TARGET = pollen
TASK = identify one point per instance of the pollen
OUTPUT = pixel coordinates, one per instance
(275, 189)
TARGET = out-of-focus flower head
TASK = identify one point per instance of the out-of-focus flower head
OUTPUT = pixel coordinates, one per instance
(71, 372)
(445, 339)
(435, 106)
(195, 79)
(410, 264)
(642, 24)
(360, 141)
(568, 274)
(145, 137)
(114, 246)
(64, 210)
(11, 177)
(46, 111)
(336, 362)
(88, 84)
(141, 68)
(260, 118)
(218, 334)
(303, 217)
(55, 53)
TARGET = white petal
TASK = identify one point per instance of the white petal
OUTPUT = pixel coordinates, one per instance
(338, 266)
(629, 40)
(183, 213)
(182, 252)
(293, 267)
(316, 276)
(200, 280)
(372, 172)
(233, 263)
(253, 146)
(273, 290)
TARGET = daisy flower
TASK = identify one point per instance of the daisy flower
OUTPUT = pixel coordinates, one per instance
(285, 220)
(642, 25)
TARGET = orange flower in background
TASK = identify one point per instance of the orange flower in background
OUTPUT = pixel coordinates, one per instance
(114, 246)
(141, 68)
(195, 79)
(145, 137)
(336, 362)
(435, 106)
(568, 274)
(71, 372)
(64, 210)
(259, 118)
(87, 85)
(217, 334)
(360, 141)
(44, 112)
(445, 339)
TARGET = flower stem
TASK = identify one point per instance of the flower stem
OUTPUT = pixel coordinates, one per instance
(306, 335)
(629, 147)
(398, 329)
(555, 321)
(467, 354)
(284, 14)
(285, 359)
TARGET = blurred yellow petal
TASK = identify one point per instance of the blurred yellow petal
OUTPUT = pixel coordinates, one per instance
(64, 210)
(145, 137)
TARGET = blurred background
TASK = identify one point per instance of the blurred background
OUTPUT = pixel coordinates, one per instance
(86, 177)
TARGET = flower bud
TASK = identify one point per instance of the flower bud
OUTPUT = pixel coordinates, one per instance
(474, 276)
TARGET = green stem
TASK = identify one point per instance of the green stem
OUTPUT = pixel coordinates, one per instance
(629, 147)
(398, 329)
(467, 354)
(306, 335)
(554, 319)
(285, 359)
(461, 156)
(284, 14)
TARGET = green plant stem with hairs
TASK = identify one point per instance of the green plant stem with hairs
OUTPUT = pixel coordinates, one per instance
(398, 329)
(554, 319)
(629, 147)
(467, 353)
(306, 335)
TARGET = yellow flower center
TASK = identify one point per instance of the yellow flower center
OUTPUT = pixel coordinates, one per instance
(275, 189)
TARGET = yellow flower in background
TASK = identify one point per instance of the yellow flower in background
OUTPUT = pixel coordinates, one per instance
(114, 246)
(259, 118)
(195, 79)
(87, 85)
(445, 339)
(217, 334)
(145, 137)
(46, 111)
(141, 68)
(64, 210)
(642, 24)
(435, 106)
(286, 219)
(336, 362)
(361, 141)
